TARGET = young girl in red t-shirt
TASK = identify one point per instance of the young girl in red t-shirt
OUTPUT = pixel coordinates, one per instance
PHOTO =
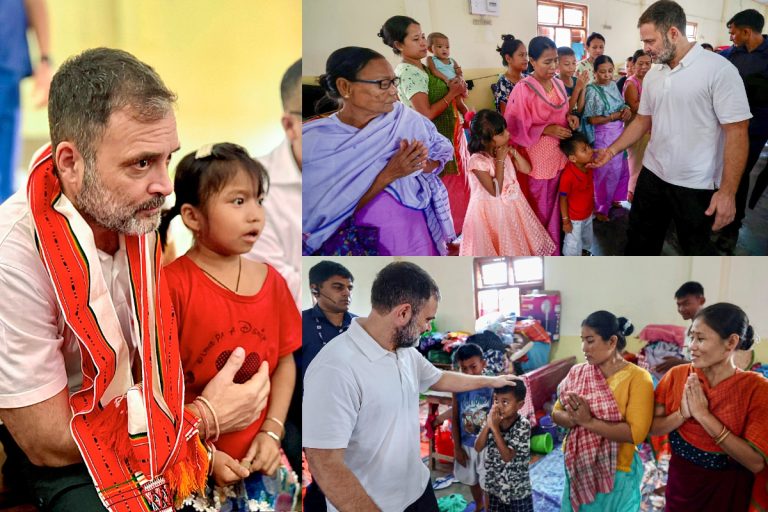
(224, 301)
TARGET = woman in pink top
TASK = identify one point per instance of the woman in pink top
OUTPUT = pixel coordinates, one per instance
(633, 88)
(537, 117)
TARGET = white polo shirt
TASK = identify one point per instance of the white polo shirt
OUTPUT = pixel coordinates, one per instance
(361, 397)
(688, 104)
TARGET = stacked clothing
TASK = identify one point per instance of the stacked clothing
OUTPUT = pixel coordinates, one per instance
(662, 341)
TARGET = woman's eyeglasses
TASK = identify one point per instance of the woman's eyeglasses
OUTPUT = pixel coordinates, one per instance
(383, 84)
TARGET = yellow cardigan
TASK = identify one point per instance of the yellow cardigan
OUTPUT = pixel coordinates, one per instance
(632, 387)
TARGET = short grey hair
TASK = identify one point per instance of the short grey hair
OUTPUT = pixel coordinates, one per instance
(665, 14)
(89, 87)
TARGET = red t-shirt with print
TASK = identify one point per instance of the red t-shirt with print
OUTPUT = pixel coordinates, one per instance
(213, 321)
(578, 187)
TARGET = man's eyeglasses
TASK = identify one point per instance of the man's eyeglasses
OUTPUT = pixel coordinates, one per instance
(383, 84)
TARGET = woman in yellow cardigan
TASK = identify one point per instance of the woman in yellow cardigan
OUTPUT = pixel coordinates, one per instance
(607, 403)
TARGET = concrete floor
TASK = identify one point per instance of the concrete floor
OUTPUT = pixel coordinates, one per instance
(611, 237)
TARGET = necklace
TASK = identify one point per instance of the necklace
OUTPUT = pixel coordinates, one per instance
(239, 270)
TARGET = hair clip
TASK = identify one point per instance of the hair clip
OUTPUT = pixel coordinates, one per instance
(204, 151)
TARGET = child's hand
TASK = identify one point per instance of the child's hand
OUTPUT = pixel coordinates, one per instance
(500, 152)
(567, 226)
(461, 455)
(583, 78)
(494, 417)
(264, 454)
(227, 471)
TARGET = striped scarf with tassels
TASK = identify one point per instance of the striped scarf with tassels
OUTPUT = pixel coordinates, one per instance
(140, 446)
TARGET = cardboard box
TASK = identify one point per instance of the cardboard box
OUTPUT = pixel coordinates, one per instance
(545, 307)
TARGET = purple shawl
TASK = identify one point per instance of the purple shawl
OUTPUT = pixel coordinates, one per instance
(341, 162)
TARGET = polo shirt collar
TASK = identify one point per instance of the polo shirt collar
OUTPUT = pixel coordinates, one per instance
(694, 53)
(367, 345)
(318, 313)
(764, 46)
(743, 49)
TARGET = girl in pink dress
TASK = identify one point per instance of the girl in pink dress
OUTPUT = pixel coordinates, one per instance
(538, 119)
(499, 221)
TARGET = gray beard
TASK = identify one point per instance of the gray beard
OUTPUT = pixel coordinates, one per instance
(106, 209)
(667, 54)
(405, 337)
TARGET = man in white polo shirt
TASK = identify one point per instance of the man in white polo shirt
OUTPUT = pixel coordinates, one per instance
(361, 400)
(695, 104)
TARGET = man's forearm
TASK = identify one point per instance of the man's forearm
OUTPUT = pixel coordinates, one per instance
(458, 382)
(735, 157)
(37, 13)
(338, 483)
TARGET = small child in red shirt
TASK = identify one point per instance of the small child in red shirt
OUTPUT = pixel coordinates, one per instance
(577, 200)
(222, 302)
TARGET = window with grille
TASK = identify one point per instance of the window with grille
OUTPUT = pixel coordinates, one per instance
(499, 282)
(565, 23)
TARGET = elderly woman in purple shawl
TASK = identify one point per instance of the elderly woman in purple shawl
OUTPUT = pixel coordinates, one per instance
(370, 169)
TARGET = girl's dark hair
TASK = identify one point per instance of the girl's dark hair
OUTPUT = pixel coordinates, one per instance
(726, 319)
(508, 46)
(602, 60)
(394, 31)
(565, 51)
(198, 178)
(606, 325)
(593, 36)
(638, 54)
(537, 46)
(484, 126)
(346, 63)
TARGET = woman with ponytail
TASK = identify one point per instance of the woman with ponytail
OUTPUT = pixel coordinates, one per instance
(514, 57)
(716, 416)
(538, 119)
(428, 95)
(607, 403)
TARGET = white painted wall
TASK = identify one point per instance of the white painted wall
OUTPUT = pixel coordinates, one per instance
(332, 24)
(642, 289)
(452, 275)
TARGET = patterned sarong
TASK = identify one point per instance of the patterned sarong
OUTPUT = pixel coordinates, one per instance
(141, 448)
